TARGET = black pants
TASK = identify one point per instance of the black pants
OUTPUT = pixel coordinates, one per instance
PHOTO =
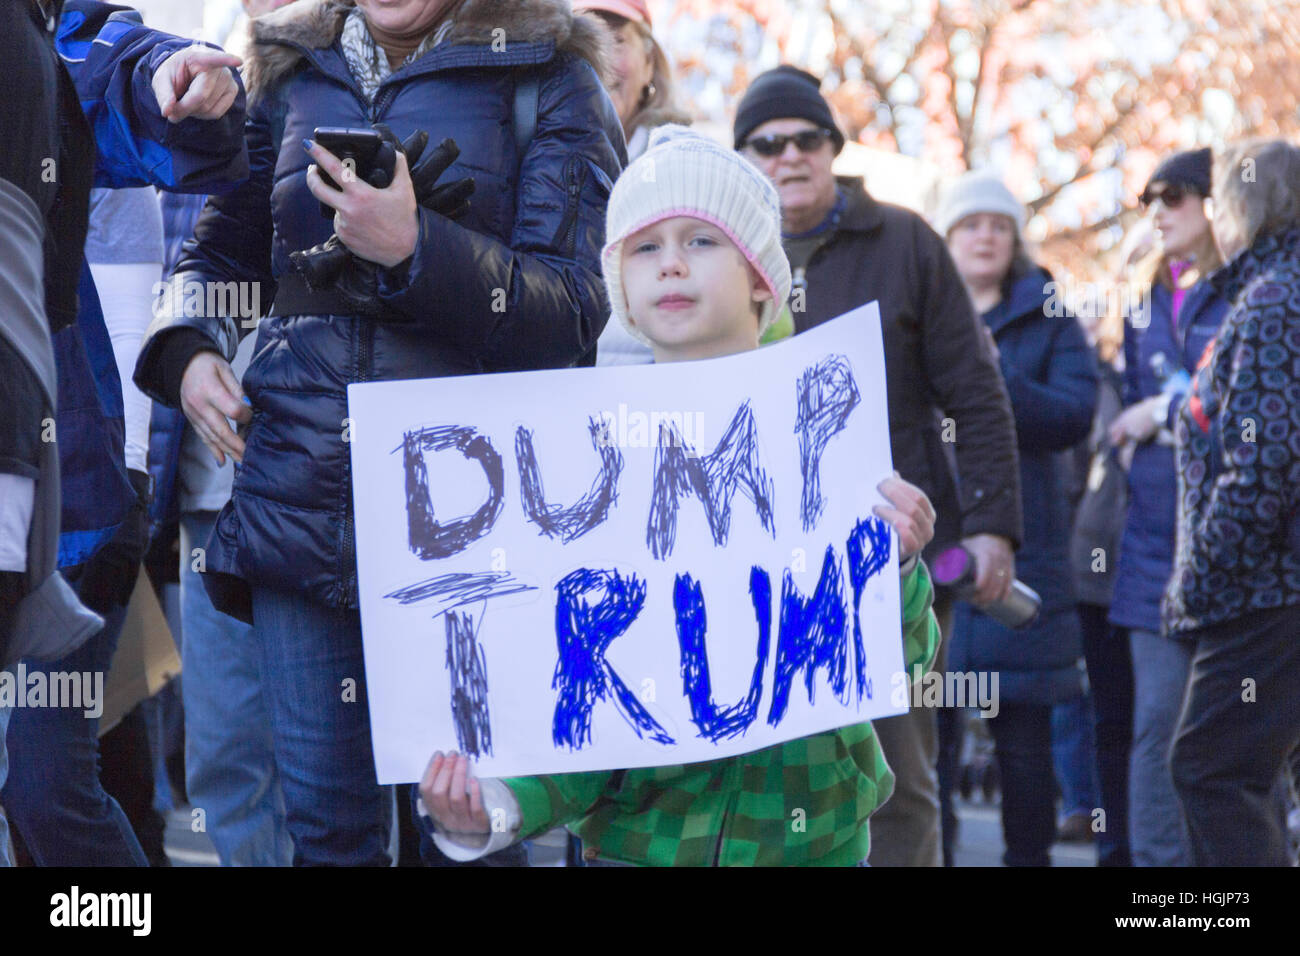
(1110, 675)
(127, 775)
(1022, 740)
(1240, 722)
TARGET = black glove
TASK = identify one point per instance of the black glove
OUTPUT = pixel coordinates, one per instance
(332, 266)
(450, 199)
(108, 578)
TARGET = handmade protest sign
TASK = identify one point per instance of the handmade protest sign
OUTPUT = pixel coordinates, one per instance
(588, 569)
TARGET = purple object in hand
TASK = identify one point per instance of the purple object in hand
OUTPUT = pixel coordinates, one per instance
(955, 568)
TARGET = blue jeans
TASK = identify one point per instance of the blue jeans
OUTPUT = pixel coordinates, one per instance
(163, 723)
(53, 795)
(1157, 833)
(4, 772)
(1074, 755)
(230, 771)
(314, 685)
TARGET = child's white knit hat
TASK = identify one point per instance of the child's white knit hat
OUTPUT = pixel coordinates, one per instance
(683, 173)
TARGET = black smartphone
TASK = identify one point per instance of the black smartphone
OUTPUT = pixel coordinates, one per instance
(357, 148)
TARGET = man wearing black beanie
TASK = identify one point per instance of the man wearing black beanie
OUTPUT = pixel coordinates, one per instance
(943, 382)
(783, 92)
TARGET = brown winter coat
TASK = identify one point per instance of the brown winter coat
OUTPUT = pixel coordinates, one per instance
(937, 363)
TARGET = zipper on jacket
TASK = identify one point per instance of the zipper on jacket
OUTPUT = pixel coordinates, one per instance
(382, 98)
(365, 348)
(575, 190)
(348, 558)
(574, 180)
(374, 109)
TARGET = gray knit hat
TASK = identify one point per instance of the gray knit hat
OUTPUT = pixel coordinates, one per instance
(976, 192)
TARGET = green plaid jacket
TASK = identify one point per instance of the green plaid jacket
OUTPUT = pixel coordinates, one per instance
(802, 803)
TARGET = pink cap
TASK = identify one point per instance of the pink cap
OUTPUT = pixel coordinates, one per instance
(630, 9)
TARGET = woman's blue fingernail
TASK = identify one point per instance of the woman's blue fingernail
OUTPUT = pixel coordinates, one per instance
(307, 145)
(246, 401)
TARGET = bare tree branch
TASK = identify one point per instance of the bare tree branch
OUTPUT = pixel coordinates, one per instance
(968, 126)
(1088, 168)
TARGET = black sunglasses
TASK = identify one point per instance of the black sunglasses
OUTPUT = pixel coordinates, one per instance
(806, 141)
(1171, 194)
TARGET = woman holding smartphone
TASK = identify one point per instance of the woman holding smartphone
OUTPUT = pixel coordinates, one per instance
(514, 283)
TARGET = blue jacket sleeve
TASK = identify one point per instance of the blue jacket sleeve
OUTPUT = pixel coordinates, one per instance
(112, 58)
(538, 301)
(1056, 414)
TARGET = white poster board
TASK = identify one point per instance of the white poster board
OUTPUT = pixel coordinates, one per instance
(548, 587)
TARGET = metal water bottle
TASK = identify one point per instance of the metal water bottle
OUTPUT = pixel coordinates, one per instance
(955, 568)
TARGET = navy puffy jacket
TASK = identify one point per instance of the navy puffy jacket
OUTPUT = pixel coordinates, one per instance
(515, 284)
(1153, 350)
(1051, 378)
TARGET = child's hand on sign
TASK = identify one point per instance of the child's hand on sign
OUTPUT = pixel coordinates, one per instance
(912, 515)
(451, 794)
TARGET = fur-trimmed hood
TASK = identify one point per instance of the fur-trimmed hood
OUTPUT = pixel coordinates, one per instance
(659, 116)
(315, 24)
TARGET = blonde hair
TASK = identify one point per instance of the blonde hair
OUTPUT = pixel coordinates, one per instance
(1150, 270)
(1110, 328)
(658, 104)
(1257, 182)
(1154, 267)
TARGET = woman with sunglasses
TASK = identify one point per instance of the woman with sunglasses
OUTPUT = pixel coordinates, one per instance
(1174, 314)
(1051, 379)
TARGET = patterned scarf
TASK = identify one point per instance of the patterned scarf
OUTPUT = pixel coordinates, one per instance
(367, 60)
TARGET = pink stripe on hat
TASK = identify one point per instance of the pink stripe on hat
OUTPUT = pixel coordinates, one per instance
(630, 9)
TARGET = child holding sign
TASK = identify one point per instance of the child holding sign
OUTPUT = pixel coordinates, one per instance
(695, 268)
